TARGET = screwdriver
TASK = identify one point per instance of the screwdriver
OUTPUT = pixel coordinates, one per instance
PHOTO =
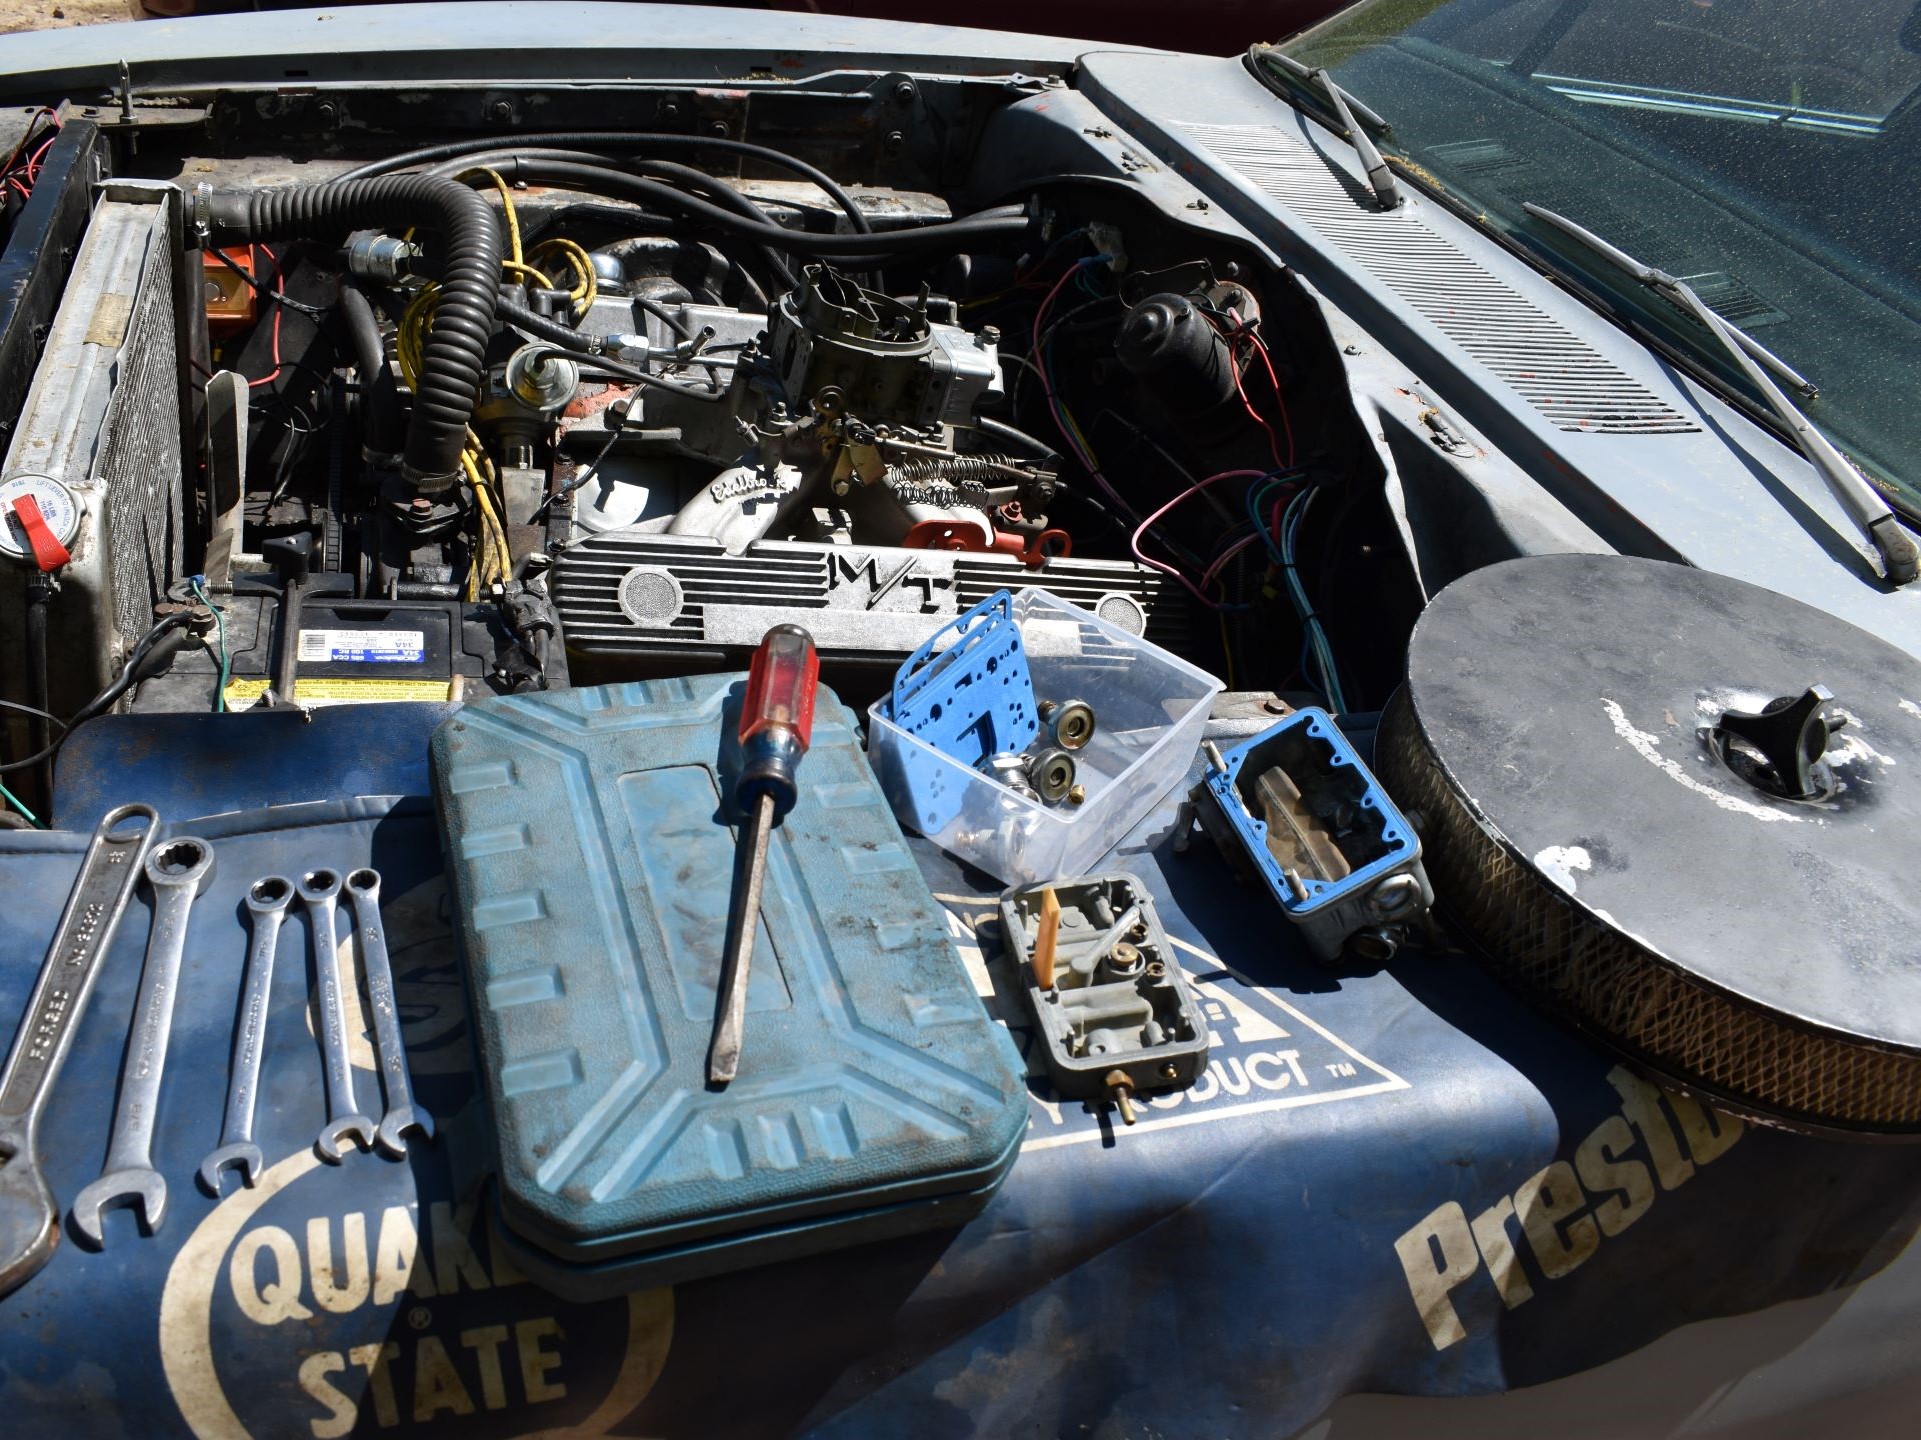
(776, 720)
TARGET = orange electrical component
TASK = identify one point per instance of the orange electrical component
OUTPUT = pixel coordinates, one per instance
(231, 304)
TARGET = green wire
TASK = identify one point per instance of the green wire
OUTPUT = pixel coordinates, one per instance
(220, 626)
(20, 805)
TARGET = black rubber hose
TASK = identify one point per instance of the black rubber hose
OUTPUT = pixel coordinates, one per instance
(942, 238)
(154, 652)
(569, 339)
(721, 194)
(697, 183)
(1020, 437)
(573, 139)
(620, 223)
(39, 591)
(541, 327)
(454, 357)
(382, 433)
(661, 313)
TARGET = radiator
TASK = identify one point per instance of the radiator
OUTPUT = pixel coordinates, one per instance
(105, 417)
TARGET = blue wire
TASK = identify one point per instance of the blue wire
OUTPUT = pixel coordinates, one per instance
(20, 805)
(1316, 633)
(1257, 494)
(220, 624)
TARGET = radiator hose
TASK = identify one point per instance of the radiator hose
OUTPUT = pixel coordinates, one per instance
(455, 354)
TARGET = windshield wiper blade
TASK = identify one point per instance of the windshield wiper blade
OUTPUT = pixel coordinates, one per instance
(1380, 179)
(1673, 286)
(1864, 504)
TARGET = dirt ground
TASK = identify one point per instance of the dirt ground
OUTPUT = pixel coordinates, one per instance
(52, 14)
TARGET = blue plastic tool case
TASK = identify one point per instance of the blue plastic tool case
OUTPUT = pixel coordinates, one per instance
(590, 843)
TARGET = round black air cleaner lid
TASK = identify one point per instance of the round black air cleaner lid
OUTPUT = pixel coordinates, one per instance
(1601, 752)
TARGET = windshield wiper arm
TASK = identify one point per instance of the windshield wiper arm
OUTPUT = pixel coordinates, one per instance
(1306, 74)
(1380, 179)
(1864, 504)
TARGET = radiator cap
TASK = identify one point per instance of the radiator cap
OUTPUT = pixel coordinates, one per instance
(59, 507)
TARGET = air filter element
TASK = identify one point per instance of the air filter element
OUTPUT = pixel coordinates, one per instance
(1680, 811)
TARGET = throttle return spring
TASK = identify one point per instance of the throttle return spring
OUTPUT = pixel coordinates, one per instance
(959, 481)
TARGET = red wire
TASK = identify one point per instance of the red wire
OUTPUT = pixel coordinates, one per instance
(1273, 441)
(29, 168)
(279, 288)
(1055, 408)
(1194, 489)
(1040, 315)
(27, 134)
(1214, 570)
(1280, 401)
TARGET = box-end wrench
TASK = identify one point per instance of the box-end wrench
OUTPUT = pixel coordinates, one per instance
(403, 1116)
(178, 871)
(29, 1219)
(267, 900)
(319, 890)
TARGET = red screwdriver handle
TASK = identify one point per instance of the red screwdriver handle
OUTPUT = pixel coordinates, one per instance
(777, 718)
(781, 684)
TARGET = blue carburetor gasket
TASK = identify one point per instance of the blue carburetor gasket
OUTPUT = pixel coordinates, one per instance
(973, 697)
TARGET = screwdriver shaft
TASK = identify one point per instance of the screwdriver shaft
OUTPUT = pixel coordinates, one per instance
(743, 923)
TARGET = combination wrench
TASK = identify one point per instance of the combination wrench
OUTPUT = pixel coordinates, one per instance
(403, 1116)
(29, 1218)
(267, 900)
(178, 871)
(319, 890)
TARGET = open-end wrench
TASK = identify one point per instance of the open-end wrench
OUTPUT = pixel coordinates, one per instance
(29, 1219)
(178, 870)
(319, 889)
(267, 900)
(403, 1116)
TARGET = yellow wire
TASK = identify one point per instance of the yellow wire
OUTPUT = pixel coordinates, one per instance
(414, 327)
(506, 204)
(587, 285)
(493, 554)
(488, 487)
(496, 569)
(527, 272)
(493, 558)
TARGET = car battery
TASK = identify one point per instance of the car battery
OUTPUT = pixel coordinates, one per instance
(349, 650)
(590, 836)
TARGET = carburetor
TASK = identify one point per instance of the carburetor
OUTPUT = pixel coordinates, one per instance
(885, 382)
(846, 351)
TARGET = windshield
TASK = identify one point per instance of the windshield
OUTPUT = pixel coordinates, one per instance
(1764, 150)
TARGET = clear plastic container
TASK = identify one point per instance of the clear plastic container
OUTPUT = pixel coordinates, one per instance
(1150, 708)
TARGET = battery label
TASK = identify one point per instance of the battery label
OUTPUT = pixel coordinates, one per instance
(315, 691)
(395, 647)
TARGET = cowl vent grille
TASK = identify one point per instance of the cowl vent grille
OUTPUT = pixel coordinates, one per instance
(1551, 367)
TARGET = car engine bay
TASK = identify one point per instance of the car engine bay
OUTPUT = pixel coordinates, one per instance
(787, 658)
(517, 411)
